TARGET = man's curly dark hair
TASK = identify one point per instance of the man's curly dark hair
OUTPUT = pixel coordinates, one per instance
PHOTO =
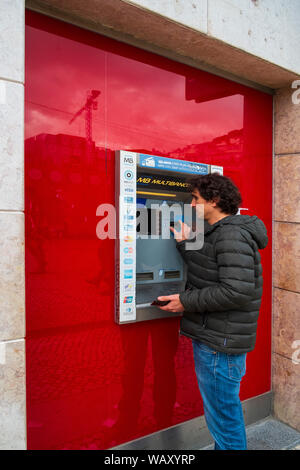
(218, 188)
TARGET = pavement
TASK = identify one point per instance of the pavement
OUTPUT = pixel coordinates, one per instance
(270, 434)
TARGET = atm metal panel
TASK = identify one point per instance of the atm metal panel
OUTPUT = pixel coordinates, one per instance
(156, 267)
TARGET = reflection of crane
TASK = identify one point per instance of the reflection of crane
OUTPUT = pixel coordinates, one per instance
(90, 104)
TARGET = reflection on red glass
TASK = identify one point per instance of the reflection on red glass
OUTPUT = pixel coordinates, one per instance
(92, 384)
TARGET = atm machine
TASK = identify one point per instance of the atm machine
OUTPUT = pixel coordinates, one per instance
(150, 195)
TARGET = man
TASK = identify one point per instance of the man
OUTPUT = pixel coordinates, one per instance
(221, 302)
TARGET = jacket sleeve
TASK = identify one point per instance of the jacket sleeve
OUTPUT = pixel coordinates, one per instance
(236, 286)
(181, 248)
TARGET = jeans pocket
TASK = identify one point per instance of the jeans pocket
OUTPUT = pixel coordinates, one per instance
(236, 366)
(203, 347)
(204, 358)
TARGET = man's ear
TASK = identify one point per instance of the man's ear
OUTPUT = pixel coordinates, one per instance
(214, 201)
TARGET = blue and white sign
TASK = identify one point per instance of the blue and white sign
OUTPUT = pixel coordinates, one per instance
(216, 169)
(170, 164)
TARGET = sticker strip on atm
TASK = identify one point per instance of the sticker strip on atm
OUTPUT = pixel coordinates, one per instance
(127, 227)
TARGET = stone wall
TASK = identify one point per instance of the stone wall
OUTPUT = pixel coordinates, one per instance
(286, 260)
(258, 27)
(12, 289)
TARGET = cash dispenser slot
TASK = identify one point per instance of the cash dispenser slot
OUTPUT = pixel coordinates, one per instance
(144, 276)
(172, 274)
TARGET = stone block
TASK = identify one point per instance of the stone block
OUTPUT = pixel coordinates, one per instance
(286, 323)
(12, 26)
(286, 256)
(12, 279)
(11, 146)
(286, 388)
(286, 188)
(12, 395)
(287, 122)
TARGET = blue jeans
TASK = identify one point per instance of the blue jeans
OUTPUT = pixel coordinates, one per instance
(219, 376)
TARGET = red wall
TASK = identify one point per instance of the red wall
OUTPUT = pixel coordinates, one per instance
(92, 384)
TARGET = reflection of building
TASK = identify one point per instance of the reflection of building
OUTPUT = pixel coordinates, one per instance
(66, 178)
(229, 146)
(62, 149)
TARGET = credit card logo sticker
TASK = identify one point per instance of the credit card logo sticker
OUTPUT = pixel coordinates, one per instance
(128, 273)
(128, 250)
(128, 310)
(128, 239)
(128, 287)
(128, 299)
(128, 175)
(128, 228)
(128, 261)
(128, 199)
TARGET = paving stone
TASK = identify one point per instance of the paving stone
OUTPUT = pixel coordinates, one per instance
(270, 434)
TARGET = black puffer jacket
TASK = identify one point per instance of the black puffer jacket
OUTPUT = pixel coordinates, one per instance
(224, 284)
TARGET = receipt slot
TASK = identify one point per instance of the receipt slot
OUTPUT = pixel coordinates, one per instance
(150, 195)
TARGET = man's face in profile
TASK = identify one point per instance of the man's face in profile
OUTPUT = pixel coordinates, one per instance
(198, 201)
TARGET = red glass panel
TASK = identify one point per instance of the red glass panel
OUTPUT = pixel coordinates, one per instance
(92, 384)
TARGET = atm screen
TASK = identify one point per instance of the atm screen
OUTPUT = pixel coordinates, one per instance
(159, 266)
(148, 221)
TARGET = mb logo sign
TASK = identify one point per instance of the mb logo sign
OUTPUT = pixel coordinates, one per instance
(128, 160)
